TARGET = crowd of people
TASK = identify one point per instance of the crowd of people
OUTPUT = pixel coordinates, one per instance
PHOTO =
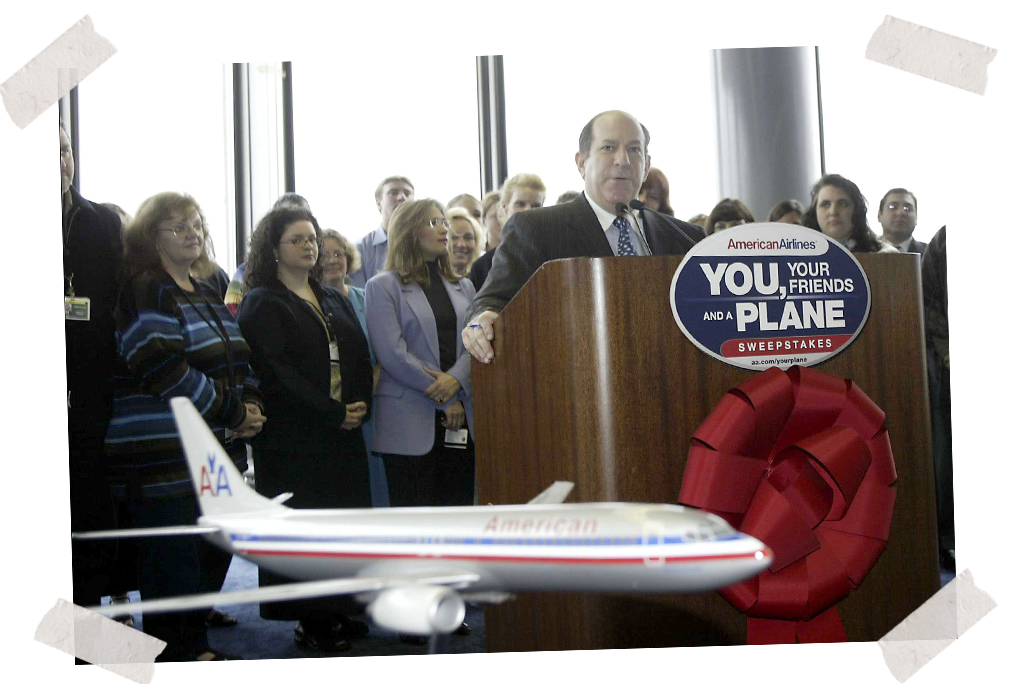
(345, 367)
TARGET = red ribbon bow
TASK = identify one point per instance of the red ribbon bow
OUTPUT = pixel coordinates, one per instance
(800, 460)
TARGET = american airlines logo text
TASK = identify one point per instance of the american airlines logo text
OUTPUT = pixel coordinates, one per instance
(210, 471)
(784, 243)
(542, 525)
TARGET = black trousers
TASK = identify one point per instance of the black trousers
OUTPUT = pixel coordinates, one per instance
(442, 477)
(170, 567)
(92, 508)
(329, 475)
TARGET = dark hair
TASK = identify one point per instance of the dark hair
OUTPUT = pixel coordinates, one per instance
(587, 135)
(881, 205)
(567, 196)
(262, 259)
(784, 207)
(291, 199)
(865, 240)
(655, 178)
(728, 209)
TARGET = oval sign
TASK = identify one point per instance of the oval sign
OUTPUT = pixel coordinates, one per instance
(770, 294)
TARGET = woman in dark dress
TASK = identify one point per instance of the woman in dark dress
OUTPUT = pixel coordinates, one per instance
(312, 360)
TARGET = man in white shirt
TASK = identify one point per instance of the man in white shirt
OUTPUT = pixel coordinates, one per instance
(897, 216)
(391, 193)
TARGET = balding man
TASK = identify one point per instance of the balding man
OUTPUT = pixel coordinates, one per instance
(613, 160)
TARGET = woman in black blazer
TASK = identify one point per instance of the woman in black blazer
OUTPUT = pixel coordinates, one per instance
(311, 357)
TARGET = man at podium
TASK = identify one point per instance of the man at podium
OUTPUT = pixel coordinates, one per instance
(613, 160)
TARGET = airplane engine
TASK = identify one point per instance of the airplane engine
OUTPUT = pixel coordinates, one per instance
(421, 609)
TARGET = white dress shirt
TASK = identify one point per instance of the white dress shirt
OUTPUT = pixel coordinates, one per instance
(612, 232)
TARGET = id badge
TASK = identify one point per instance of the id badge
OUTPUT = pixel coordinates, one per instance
(334, 351)
(456, 439)
(77, 308)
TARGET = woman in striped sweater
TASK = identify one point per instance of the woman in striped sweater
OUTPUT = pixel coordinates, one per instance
(175, 338)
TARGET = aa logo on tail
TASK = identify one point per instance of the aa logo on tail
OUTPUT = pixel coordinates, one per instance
(222, 483)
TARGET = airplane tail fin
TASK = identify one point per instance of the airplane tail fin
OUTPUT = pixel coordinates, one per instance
(218, 484)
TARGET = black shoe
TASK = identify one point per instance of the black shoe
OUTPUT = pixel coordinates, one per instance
(214, 618)
(329, 642)
(348, 628)
(211, 655)
(462, 630)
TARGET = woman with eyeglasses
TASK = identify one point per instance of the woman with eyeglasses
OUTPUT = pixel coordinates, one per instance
(336, 258)
(316, 379)
(417, 308)
(175, 338)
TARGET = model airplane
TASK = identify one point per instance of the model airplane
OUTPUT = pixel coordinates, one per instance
(413, 567)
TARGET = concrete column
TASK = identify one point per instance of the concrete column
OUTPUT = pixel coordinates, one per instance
(769, 146)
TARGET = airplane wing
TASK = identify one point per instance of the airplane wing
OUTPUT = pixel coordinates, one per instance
(286, 592)
(555, 494)
(146, 532)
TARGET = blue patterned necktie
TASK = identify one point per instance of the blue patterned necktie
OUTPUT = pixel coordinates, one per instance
(625, 247)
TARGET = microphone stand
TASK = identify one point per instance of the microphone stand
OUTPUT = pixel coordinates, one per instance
(641, 206)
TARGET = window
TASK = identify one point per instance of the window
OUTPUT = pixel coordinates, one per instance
(545, 113)
(876, 133)
(148, 127)
(389, 115)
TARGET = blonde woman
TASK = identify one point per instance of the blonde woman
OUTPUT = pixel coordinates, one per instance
(466, 239)
(336, 258)
(417, 308)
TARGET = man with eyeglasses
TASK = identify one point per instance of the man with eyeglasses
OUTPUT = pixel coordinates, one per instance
(391, 193)
(92, 250)
(897, 216)
(613, 160)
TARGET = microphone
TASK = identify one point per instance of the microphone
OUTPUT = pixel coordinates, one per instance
(641, 206)
(622, 209)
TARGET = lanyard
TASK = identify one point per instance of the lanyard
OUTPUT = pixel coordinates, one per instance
(220, 331)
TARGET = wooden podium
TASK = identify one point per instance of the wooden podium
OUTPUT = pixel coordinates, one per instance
(594, 382)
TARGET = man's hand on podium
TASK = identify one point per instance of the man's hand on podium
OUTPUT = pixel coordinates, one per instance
(478, 335)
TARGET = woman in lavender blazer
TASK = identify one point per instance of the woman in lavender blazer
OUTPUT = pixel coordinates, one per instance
(416, 309)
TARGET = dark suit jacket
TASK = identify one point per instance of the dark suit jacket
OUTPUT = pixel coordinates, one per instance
(290, 356)
(916, 246)
(92, 254)
(530, 238)
(480, 269)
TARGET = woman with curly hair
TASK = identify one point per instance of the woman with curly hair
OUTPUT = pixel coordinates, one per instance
(175, 338)
(839, 210)
(312, 360)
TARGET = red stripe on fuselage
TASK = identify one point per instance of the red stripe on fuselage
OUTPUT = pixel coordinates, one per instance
(493, 559)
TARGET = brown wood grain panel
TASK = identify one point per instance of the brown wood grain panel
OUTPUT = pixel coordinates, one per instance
(594, 382)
